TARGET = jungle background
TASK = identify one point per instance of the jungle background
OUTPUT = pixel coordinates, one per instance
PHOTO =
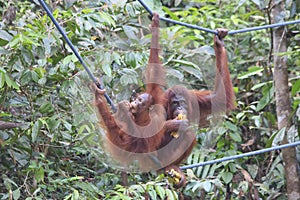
(51, 147)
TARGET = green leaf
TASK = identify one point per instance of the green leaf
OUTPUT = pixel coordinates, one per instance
(152, 194)
(69, 58)
(40, 72)
(177, 2)
(46, 107)
(227, 177)
(107, 18)
(195, 72)
(251, 72)
(170, 13)
(42, 81)
(235, 136)
(240, 115)
(259, 85)
(176, 73)
(188, 63)
(231, 126)
(83, 128)
(257, 2)
(26, 77)
(131, 32)
(129, 77)
(30, 41)
(35, 76)
(10, 83)
(207, 186)
(268, 94)
(206, 49)
(53, 123)
(16, 194)
(130, 59)
(296, 87)
(160, 191)
(75, 195)
(4, 35)
(197, 186)
(276, 137)
(47, 45)
(35, 130)
(39, 174)
(106, 65)
(2, 79)
(15, 41)
(206, 170)
(169, 194)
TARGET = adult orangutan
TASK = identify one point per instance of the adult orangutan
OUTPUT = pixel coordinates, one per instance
(182, 104)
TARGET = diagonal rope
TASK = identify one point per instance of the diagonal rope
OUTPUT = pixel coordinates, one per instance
(62, 32)
(252, 153)
(177, 22)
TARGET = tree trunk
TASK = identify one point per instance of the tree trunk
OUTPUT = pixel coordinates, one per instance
(283, 104)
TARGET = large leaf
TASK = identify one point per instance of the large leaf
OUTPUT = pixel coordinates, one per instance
(5, 37)
(227, 177)
(36, 130)
(296, 87)
(251, 72)
(2, 79)
(268, 95)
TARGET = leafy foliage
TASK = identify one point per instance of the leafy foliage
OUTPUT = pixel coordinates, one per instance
(56, 153)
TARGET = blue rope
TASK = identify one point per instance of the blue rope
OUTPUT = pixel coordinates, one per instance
(263, 27)
(188, 25)
(62, 32)
(214, 31)
(252, 153)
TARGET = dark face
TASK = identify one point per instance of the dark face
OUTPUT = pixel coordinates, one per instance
(141, 103)
(178, 106)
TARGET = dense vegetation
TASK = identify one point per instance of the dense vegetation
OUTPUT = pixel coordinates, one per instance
(56, 153)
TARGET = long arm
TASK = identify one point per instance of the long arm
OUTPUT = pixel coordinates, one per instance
(155, 77)
(103, 110)
(223, 85)
(222, 97)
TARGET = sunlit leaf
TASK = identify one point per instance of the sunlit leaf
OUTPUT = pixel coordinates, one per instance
(10, 82)
(169, 194)
(14, 42)
(39, 174)
(207, 186)
(16, 194)
(296, 87)
(251, 72)
(107, 18)
(259, 85)
(4, 35)
(160, 191)
(2, 79)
